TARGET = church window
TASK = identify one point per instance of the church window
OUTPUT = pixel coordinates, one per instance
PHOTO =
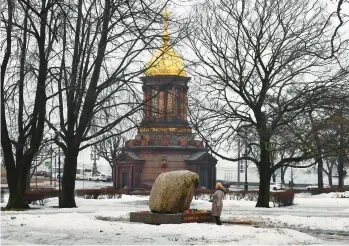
(154, 102)
(177, 102)
(205, 177)
(125, 180)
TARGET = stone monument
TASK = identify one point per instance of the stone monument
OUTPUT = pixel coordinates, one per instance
(173, 192)
(170, 200)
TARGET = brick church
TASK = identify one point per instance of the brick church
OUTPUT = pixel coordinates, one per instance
(165, 141)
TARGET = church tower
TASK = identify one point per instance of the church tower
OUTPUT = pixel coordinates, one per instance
(165, 141)
(165, 87)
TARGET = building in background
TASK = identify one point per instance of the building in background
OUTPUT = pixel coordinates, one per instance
(165, 141)
(228, 171)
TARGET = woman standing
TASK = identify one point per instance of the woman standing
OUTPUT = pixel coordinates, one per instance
(217, 203)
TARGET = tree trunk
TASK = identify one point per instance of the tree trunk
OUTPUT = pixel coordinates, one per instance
(264, 189)
(341, 170)
(282, 174)
(18, 169)
(265, 175)
(28, 181)
(330, 177)
(75, 136)
(341, 157)
(292, 178)
(320, 178)
(69, 174)
(318, 158)
(272, 164)
(16, 199)
(17, 173)
(329, 166)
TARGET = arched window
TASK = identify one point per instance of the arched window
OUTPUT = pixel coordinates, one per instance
(154, 102)
(176, 102)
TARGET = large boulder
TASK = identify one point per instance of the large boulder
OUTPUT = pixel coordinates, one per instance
(172, 192)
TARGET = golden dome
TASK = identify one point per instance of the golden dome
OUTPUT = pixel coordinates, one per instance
(165, 61)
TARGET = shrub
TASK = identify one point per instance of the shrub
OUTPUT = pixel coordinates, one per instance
(110, 193)
(203, 194)
(125, 191)
(282, 199)
(206, 194)
(278, 198)
(250, 195)
(88, 193)
(98, 193)
(317, 191)
(145, 186)
(140, 192)
(203, 191)
(297, 191)
(35, 196)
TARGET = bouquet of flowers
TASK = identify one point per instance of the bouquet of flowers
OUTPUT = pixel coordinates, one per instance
(193, 211)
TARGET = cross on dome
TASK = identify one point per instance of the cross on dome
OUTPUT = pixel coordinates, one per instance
(165, 61)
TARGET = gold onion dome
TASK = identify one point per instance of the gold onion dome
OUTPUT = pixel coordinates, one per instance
(165, 61)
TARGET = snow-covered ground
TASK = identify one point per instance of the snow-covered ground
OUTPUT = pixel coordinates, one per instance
(322, 219)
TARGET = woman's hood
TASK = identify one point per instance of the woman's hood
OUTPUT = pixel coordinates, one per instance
(222, 189)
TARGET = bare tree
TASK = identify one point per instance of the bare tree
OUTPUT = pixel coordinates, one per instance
(319, 151)
(109, 148)
(30, 32)
(262, 65)
(100, 59)
(342, 132)
(328, 170)
(329, 127)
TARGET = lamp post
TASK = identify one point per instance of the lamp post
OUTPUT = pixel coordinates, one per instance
(341, 156)
(59, 172)
(36, 173)
(59, 177)
(239, 163)
(246, 183)
(94, 158)
(51, 164)
(55, 170)
(83, 175)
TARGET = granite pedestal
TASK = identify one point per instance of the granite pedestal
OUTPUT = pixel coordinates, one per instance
(158, 218)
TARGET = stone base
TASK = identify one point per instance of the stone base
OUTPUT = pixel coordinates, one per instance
(158, 219)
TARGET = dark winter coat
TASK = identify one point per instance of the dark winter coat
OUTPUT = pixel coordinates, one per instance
(217, 202)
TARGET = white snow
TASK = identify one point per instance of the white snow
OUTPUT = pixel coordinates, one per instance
(106, 222)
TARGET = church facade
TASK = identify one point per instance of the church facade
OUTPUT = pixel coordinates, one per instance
(165, 141)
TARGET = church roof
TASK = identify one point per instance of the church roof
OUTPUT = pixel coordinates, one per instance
(165, 61)
(128, 155)
(133, 155)
(196, 156)
(202, 156)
